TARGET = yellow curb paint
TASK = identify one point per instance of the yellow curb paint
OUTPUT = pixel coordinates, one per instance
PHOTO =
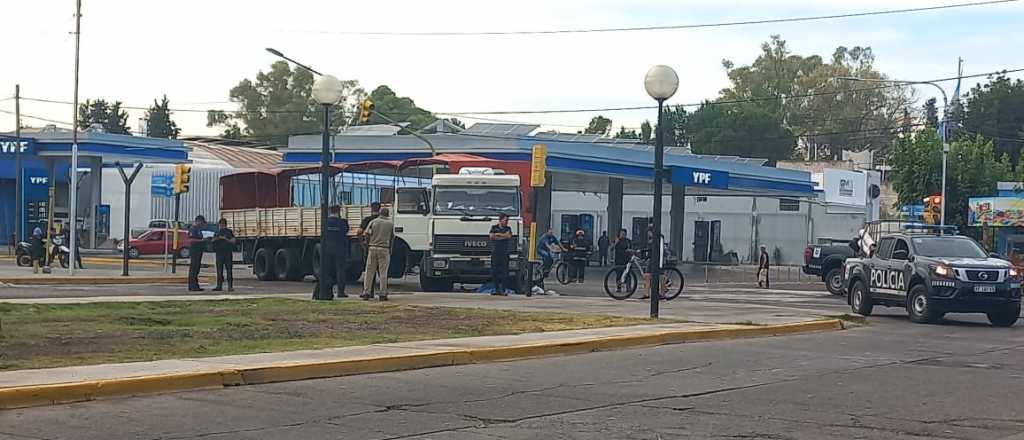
(38, 395)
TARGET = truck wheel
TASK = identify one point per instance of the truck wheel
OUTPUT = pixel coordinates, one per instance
(834, 281)
(286, 265)
(860, 299)
(263, 264)
(1005, 317)
(919, 306)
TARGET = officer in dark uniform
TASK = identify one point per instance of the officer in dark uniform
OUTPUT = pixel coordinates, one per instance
(334, 255)
(501, 239)
(195, 250)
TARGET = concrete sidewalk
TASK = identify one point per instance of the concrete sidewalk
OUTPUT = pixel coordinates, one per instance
(74, 384)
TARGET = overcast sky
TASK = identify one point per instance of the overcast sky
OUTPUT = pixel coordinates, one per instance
(194, 51)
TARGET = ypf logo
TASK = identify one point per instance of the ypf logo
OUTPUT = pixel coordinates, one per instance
(38, 180)
(701, 178)
(11, 147)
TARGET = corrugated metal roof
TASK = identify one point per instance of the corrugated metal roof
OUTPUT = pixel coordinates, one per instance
(222, 153)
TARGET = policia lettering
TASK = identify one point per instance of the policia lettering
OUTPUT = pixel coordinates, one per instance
(888, 280)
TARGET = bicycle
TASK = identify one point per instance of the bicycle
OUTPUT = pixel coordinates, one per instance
(561, 268)
(624, 286)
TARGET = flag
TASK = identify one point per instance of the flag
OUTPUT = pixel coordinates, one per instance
(943, 129)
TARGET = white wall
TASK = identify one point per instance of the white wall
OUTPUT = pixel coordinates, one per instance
(113, 195)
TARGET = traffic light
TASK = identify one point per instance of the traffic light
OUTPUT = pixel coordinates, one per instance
(182, 176)
(365, 108)
(932, 210)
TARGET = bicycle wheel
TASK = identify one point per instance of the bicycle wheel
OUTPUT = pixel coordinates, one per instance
(562, 273)
(614, 290)
(673, 282)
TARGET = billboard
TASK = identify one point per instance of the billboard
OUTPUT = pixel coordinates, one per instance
(845, 187)
(996, 211)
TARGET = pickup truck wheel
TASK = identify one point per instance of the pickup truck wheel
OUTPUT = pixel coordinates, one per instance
(263, 264)
(919, 306)
(860, 299)
(834, 281)
(1005, 317)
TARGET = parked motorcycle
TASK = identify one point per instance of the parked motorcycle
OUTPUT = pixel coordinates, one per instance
(59, 252)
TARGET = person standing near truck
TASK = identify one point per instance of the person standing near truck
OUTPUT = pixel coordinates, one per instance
(501, 236)
(224, 250)
(334, 254)
(195, 251)
(374, 213)
(380, 232)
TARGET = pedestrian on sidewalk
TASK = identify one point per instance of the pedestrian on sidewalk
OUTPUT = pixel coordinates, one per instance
(197, 234)
(580, 252)
(602, 247)
(37, 252)
(380, 233)
(224, 250)
(763, 267)
(501, 236)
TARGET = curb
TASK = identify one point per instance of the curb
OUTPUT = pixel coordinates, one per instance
(94, 280)
(51, 394)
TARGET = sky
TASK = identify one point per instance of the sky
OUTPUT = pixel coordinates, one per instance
(194, 51)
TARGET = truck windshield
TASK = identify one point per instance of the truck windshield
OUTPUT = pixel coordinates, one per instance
(459, 200)
(948, 247)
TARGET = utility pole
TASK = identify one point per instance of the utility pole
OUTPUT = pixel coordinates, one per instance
(73, 195)
(18, 199)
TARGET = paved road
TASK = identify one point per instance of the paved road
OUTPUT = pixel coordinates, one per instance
(891, 380)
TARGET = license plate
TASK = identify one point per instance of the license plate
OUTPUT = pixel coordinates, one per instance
(817, 252)
(985, 289)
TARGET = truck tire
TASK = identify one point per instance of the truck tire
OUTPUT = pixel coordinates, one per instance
(263, 264)
(1005, 317)
(430, 284)
(919, 306)
(834, 281)
(860, 299)
(286, 265)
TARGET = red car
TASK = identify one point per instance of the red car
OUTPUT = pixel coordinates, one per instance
(158, 242)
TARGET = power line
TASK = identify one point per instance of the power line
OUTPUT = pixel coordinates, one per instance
(26, 116)
(581, 110)
(667, 27)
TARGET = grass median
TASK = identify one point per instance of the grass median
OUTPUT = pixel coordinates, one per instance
(47, 336)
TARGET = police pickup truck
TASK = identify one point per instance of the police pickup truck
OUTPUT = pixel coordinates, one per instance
(931, 275)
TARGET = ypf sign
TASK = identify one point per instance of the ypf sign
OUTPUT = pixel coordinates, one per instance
(10, 146)
(698, 177)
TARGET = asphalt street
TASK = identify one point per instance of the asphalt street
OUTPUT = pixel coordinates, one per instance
(889, 380)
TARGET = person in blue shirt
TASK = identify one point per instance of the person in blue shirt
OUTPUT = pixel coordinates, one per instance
(544, 245)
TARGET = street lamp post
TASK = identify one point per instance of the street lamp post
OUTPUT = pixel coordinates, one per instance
(943, 133)
(327, 91)
(661, 83)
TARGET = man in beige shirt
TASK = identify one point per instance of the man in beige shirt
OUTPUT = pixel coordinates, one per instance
(379, 235)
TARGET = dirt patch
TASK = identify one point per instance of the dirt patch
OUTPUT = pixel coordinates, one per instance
(46, 336)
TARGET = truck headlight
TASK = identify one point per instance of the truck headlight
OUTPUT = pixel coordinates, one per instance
(1014, 273)
(943, 271)
(440, 264)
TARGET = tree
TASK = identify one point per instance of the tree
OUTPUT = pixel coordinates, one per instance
(626, 134)
(995, 110)
(931, 113)
(676, 133)
(740, 130)
(645, 132)
(599, 125)
(827, 115)
(158, 120)
(280, 103)
(111, 117)
(399, 108)
(973, 169)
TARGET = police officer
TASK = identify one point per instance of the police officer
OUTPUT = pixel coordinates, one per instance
(195, 250)
(333, 255)
(501, 237)
(224, 249)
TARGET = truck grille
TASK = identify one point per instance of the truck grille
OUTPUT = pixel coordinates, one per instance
(478, 245)
(983, 276)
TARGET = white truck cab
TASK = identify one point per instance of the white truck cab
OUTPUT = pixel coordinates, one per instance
(445, 228)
